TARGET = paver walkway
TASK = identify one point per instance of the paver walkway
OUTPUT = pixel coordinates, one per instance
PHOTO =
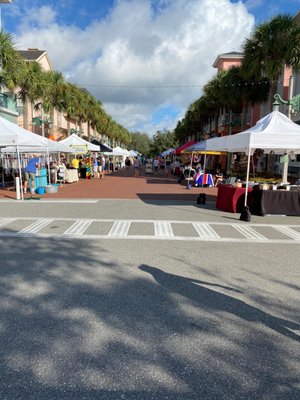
(119, 186)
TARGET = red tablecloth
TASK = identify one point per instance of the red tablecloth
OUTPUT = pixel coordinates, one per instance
(231, 199)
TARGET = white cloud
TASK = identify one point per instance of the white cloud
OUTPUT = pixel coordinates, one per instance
(136, 46)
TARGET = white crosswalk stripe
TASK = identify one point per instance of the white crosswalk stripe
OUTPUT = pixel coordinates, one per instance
(163, 229)
(78, 228)
(288, 232)
(119, 228)
(36, 226)
(5, 221)
(205, 230)
(248, 232)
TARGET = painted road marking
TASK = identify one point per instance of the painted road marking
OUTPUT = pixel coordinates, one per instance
(162, 230)
(248, 232)
(288, 232)
(205, 230)
(120, 228)
(6, 221)
(36, 226)
(78, 228)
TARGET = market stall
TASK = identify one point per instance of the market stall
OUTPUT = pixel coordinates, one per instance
(275, 133)
(82, 148)
(15, 140)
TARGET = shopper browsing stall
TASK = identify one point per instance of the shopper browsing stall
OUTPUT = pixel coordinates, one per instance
(30, 172)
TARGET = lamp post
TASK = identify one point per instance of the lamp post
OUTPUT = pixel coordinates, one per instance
(3, 2)
(293, 104)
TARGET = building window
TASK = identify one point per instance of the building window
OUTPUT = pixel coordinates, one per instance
(19, 106)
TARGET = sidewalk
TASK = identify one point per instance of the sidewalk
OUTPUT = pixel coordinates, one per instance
(119, 186)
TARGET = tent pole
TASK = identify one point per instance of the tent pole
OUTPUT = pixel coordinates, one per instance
(20, 173)
(2, 165)
(191, 164)
(204, 166)
(247, 177)
(48, 164)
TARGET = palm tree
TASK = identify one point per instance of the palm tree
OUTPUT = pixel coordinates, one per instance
(10, 61)
(31, 84)
(70, 104)
(214, 102)
(9, 57)
(238, 92)
(272, 45)
(53, 94)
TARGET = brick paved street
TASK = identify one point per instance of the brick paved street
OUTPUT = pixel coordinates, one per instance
(119, 186)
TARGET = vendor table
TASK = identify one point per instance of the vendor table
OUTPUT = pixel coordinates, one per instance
(206, 179)
(231, 199)
(280, 202)
(71, 175)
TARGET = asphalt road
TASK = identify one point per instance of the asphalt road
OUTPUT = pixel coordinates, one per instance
(147, 319)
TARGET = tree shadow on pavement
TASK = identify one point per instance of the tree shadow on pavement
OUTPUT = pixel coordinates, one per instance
(76, 323)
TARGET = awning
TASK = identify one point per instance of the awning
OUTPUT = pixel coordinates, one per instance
(180, 149)
(103, 147)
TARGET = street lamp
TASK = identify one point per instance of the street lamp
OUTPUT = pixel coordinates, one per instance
(293, 104)
(3, 2)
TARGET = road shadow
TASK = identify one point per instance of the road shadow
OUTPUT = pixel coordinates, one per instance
(195, 291)
(77, 323)
(179, 198)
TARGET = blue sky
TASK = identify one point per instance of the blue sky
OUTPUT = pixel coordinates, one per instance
(145, 60)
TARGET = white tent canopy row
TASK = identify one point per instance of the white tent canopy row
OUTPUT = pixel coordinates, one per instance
(118, 152)
(76, 141)
(13, 137)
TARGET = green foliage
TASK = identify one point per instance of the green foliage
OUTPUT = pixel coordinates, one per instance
(273, 44)
(140, 142)
(163, 140)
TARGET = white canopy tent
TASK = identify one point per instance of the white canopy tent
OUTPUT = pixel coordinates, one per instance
(14, 139)
(13, 135)
(118, 151)
(76, 141)
(51, 147)
(273, 133)
(134, 153)
(166, 153)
